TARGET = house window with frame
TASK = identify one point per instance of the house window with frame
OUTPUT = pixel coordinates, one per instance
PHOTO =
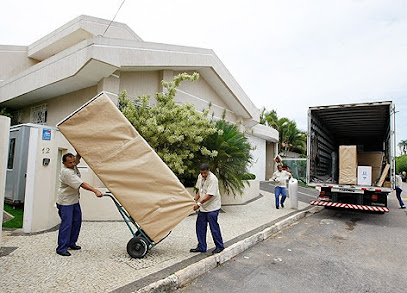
(38, 114)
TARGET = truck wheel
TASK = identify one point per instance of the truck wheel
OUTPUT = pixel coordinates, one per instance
(137, 247)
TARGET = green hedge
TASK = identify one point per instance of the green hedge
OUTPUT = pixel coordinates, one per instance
(401, 164)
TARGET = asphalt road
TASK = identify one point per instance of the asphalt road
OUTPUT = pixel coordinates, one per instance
(331, 251)
(304, 194)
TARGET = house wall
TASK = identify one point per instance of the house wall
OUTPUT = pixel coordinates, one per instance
(259, 157)
(202, 89)
(198, 93)
(110, 86)
(138, 83)
(13, 59)
(251, 191)
(201, 94)
(60, 107)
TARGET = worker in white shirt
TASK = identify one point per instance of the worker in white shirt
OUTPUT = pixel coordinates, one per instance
(399, 183)
(280, 178)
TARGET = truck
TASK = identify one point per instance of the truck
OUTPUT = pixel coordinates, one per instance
(351, 155)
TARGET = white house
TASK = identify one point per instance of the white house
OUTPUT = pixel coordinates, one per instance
(47, 80)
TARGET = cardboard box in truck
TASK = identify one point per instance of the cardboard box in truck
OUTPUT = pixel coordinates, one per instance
(373, 159)
(365, 175)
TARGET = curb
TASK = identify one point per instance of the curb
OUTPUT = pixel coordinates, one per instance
(188, 274)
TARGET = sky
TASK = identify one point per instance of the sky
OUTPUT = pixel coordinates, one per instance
(286, 55)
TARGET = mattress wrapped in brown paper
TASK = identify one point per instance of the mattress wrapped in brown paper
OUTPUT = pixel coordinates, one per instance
(126, 164)
(348, 164)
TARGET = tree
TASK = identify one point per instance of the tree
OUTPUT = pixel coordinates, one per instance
(233, 158)
(401, 164)
(290, 137)
(174, 131)
(403, 147)
(269, 118)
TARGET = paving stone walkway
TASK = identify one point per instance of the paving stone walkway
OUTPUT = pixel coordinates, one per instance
(103, 265)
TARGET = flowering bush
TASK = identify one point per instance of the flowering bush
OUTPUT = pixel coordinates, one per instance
(184, 137)
(174, 131)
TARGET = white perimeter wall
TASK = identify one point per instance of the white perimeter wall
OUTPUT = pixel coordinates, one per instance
(4, 143)
(259, 157)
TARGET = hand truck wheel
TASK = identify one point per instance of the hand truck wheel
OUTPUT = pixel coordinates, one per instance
(137, 247)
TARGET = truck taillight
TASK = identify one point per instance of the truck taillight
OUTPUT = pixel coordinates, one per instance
(374, 197)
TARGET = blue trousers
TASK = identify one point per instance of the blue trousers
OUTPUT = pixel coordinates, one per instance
(201, 228)
(71, 220)
(398, 194)
(280, 190)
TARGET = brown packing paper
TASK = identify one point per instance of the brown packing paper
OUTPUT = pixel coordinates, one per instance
(373, 159)
(348, 164)
(126, 164)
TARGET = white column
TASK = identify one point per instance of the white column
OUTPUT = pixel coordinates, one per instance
(4, 144)
(30, 180)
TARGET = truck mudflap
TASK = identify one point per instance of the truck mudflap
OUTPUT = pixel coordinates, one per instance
(349, 206)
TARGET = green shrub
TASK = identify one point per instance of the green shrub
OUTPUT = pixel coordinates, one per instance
(401, 164)
(248, 176)
(4, 111)
(233, 157)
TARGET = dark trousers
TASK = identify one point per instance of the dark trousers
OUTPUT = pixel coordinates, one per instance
(71, 220)
(201, 228)
(398, 194)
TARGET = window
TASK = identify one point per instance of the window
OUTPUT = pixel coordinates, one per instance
(38, 114)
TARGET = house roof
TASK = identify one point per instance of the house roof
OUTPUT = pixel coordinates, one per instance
(75, 31)
(80, 53)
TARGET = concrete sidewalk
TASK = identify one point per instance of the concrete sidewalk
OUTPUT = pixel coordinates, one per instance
(30, 264)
